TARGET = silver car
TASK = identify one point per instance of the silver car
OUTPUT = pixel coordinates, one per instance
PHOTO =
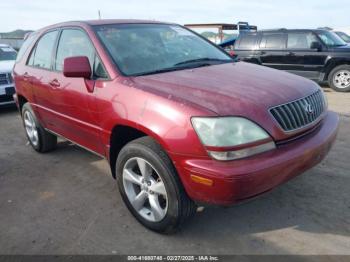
(7, 61)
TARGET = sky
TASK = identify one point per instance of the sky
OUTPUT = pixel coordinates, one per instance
(34, 14)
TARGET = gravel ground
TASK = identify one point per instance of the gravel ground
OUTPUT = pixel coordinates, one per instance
(66, 202)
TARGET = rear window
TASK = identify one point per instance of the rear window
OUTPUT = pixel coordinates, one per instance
(247, 41)
(273, 41)
(25, 46)
(42, 55)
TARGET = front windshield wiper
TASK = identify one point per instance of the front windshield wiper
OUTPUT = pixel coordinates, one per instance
(163, 70)
(194, 63)
(179, 66)
(206, 60)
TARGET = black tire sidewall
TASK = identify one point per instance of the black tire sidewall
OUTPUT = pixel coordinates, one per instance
(171, 219)
(331, 78)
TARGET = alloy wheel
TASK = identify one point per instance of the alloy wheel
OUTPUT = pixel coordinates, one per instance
(31, 128)
(145, 189)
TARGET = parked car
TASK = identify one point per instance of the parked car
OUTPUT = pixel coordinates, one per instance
(7, 61)
(180, 123)
(319, 55)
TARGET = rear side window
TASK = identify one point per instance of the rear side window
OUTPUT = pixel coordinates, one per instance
(273, 41)
(247, 41)
(41, 56)
(25, 46)
(300, 40)
(73, 42)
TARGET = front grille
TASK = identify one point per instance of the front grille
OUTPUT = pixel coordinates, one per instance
(5, 79)
(299, 113)
(5, 98)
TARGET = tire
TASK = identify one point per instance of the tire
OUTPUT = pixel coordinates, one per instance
(339, 78)
(41, 140)
(176, 207)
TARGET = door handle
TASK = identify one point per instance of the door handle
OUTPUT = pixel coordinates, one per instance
(54, 83)
(291, 54)
(26, 76)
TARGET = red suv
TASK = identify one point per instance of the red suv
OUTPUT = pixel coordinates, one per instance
(179, 121)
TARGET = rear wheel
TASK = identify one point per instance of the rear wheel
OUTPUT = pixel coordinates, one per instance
(150, 187)
(339, 78)
(41, 140)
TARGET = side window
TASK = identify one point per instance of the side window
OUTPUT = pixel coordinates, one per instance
(43, 51)
(300, 40)
(73, 42)
(247, 41)
(273, 41)
(99, 70)
(25, 46)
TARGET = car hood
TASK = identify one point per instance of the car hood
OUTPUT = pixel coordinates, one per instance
(233, 89)
(6, 66)
(226, 88)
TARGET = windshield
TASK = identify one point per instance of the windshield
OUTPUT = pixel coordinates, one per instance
(7, 53)
(140, 49)
(331, 39)
(344, 36)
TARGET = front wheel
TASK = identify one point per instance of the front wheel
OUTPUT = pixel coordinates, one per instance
(150, 187)
(339, 78)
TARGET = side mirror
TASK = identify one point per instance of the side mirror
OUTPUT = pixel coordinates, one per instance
(316, 46)
(77, 66)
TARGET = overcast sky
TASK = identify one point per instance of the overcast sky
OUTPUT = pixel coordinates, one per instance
(34, 14)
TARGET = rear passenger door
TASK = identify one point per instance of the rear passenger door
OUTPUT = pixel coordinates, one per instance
(272, 49)
(39, 74)
(245, 47)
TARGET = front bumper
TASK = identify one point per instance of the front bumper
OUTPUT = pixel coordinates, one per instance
(235, 181)
(6, 97)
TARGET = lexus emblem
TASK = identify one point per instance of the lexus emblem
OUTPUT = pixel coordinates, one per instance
(309, 109)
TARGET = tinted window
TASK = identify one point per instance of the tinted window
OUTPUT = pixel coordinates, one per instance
(99, 70)
(25, 46)
(43, 51)
(73, 43)
(301, 40)
(273, 41)
(147, 48)
(331, 39)
(247, 41)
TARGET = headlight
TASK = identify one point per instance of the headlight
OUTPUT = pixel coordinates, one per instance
(239, 135)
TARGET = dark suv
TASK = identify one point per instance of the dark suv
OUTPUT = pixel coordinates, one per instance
(319, 55)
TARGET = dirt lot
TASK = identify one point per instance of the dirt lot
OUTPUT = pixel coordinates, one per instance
(66, 202)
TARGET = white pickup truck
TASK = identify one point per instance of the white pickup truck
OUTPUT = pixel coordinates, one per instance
(7, 60)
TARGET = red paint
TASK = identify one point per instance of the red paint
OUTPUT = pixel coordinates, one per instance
(162, 105)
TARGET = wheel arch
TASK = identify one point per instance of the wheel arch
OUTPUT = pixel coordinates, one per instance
(21, 101)
(333, 63)
(124, 133)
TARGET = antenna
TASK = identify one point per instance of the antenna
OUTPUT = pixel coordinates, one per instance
(99, 14)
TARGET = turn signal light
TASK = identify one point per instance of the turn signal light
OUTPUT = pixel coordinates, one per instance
(202, 180)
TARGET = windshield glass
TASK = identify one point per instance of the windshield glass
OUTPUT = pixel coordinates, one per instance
(7, 54)
(139, 49)
(331, 39)
(344, 36)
